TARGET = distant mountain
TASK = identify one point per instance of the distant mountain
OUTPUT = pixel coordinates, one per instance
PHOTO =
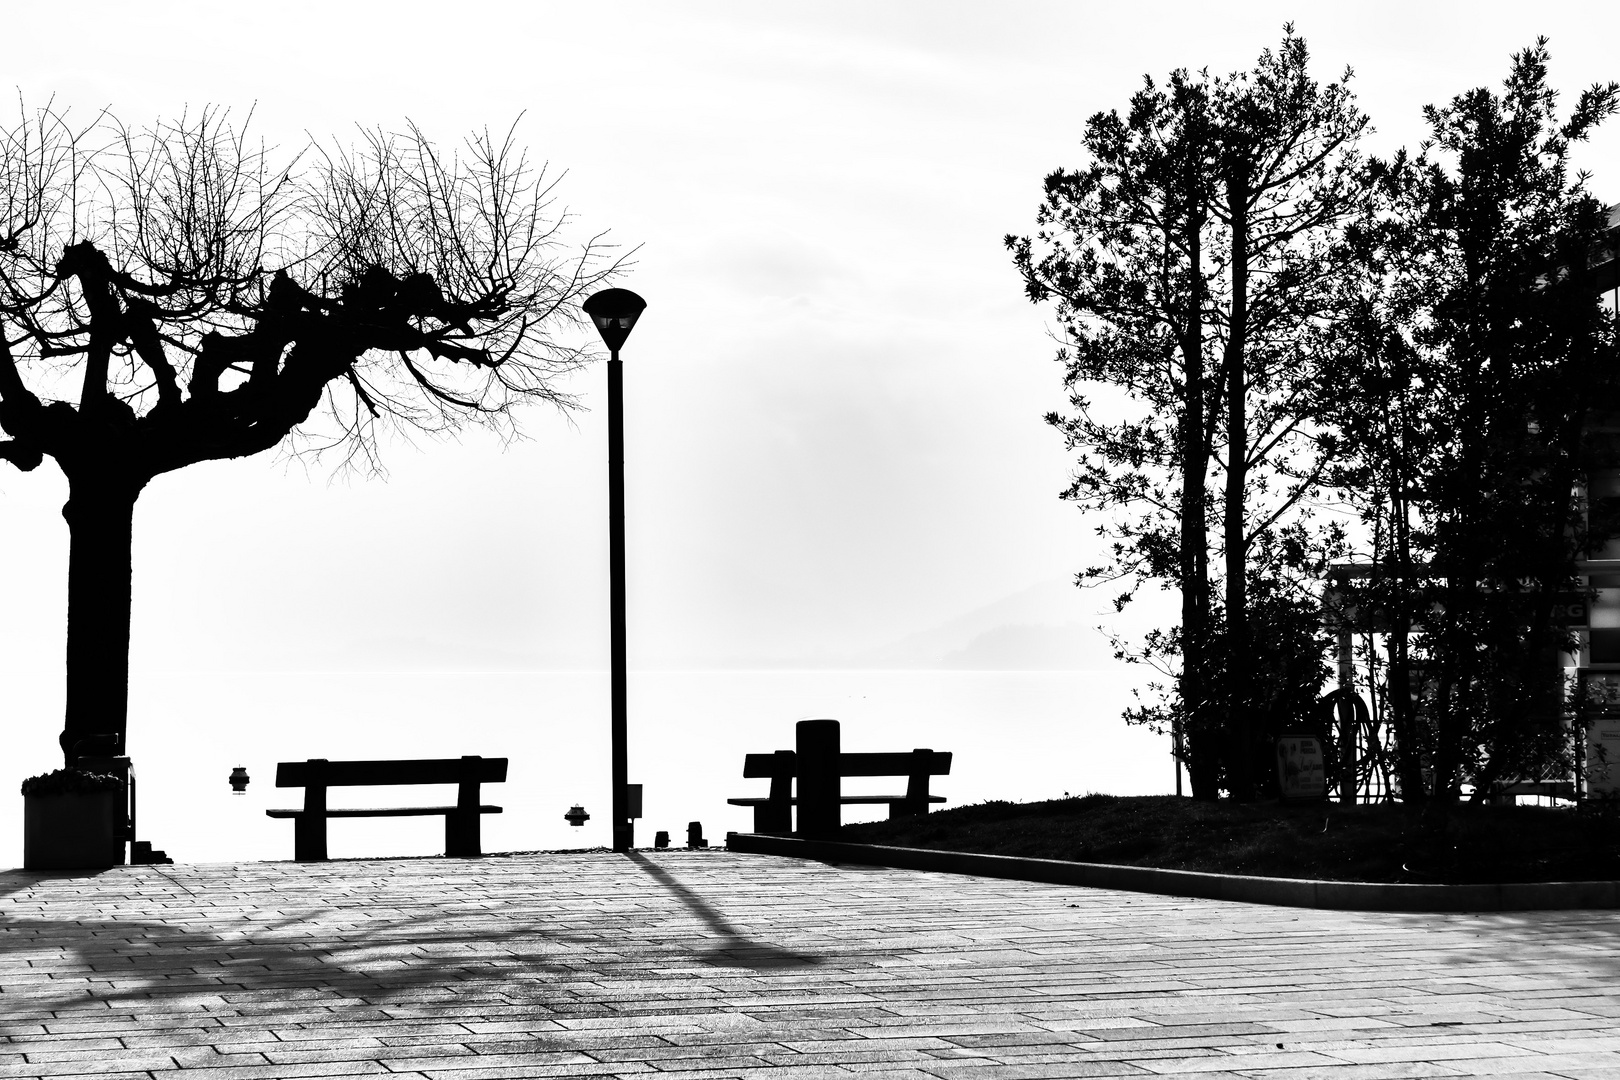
(1043, 627)
(1028, 646)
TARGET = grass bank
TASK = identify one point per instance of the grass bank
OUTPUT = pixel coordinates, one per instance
(1460, 845)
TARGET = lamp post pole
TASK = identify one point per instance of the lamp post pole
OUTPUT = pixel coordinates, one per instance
(614, 311)
(623, 827)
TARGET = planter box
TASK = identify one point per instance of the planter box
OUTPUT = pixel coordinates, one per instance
(73, 831)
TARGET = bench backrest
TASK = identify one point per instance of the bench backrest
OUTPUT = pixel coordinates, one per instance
(781, 763)
(322, 773)
(916, 765)
(904, 763)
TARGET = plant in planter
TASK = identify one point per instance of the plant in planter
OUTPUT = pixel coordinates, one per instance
(73, 819)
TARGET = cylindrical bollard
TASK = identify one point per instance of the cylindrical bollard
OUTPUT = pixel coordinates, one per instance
(816, 743)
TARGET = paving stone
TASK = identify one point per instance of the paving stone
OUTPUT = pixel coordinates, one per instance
(998, 1071)
(1403, 1071)
(703, 965)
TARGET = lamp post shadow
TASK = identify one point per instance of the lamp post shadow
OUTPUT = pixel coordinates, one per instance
(738, 950)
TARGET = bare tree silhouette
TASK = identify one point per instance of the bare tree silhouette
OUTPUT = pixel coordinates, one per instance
(174, 293)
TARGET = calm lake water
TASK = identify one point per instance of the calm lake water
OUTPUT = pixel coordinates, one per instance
(1016, 735)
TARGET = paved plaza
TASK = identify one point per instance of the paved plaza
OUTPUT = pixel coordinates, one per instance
(713, 964)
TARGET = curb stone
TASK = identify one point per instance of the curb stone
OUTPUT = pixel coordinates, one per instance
(1286, 892)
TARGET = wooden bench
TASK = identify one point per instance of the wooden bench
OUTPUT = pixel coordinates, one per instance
(461, 822)
(819, 766)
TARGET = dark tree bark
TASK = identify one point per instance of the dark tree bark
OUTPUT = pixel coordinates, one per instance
(1202, 735)
(100, 516)
(1400, 689)
(1238, 707)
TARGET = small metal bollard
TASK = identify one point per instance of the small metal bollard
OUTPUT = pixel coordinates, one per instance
(694, 836)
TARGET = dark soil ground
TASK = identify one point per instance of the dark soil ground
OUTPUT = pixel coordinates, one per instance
(1386, 843)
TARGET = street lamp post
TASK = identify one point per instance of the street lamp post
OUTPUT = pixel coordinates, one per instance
(614, 311)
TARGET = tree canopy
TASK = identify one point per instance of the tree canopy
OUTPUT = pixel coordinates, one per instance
(1476, 369)
(179, 292)
(193, 296)
(1245, 304)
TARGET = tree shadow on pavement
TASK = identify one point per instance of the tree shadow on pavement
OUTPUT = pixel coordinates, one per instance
(1559, 941)
(738, 950)
(98, 958)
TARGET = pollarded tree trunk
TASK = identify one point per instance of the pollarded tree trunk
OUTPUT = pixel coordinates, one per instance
(100, 511)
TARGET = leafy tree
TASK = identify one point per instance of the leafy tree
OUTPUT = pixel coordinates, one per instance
(1193, 266)
(1480, 351)
(171, 295)
(1124, 257)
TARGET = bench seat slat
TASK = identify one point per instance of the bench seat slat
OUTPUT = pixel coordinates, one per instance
(405, 771)
(387, 811)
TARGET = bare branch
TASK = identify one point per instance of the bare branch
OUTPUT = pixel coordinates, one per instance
(191, 274)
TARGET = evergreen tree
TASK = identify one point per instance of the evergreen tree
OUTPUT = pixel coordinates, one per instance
(1193, 264)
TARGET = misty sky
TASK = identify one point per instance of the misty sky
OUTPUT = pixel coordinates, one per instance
(834, 399)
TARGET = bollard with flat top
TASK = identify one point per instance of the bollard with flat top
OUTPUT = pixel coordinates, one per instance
(817, 747)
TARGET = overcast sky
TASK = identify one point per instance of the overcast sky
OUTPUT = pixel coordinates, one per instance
(834, 399)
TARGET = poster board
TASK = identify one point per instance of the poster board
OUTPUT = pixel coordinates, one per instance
(1603, 757)
(1301, 771)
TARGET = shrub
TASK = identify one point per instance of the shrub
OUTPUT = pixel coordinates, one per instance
(71, 781)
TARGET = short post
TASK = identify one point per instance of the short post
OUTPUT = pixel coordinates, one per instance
(816, 742)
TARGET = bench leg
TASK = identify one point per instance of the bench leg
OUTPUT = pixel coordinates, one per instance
(773, 818)
(309, 838)
(906, 808)
(462, 839)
